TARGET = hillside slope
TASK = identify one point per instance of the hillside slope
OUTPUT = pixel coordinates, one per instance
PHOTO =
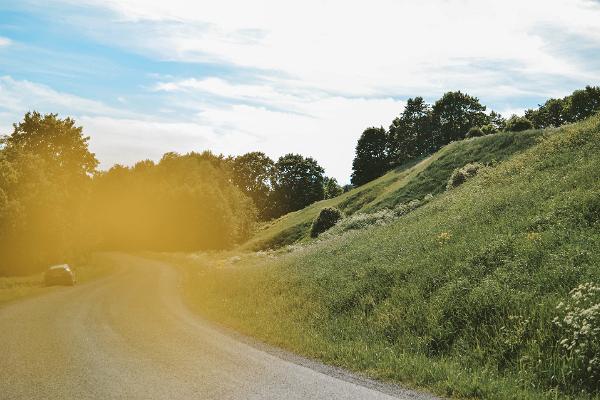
(409, 182)
(490, 290)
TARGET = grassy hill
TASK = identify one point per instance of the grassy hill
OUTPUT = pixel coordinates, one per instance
(489, 290)
(408, 182)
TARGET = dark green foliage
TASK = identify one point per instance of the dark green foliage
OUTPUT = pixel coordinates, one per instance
(297, 182)
(418, 131)
(45, 173)
(287, 185)
(475, 132)
(327, 218)
(453, 115)
(55, 205)
(490, 129)
(496, 121)
(579, 105)
(252, 173)
(371, 159)
(331, 188)
(422, 129)
(184, 202)
(57, 142)
(409, 134)
(582, 104)
(460, 175)
(518, 124)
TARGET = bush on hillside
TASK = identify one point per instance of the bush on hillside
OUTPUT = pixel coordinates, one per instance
(326, 219)
(474, 132)
(518, 124)
(460, 175)
(489, 129)
(384, 216)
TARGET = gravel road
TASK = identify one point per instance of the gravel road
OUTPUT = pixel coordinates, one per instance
(129, 336)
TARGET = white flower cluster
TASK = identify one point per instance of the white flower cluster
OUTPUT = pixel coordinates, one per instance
(579, 321)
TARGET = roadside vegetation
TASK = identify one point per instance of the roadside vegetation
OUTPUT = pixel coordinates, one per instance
(56, 205)
(85, 270)
(487, 290)
(412, 181)
(463, 259)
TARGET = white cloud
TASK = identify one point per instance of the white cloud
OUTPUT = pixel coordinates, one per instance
(313, 74)
(279, 120)
(4, 41)
(19, 96)
(361, 48)
(325, 128)
(328, 134)
(272, 93)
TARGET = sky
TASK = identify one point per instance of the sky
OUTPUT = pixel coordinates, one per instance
(145, 77)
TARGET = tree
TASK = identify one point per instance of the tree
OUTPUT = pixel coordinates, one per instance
(184, 202)
(453, 115)
(518, 124)
(58, 142)
(551, 113)
(348, 187)
(554, 112)
(410, 133)
(371, 159)
(582, 104)
(579, 105)
(50, 169)
(297, 182)
(252, 173)
(489, 129)
(332, 188)
(497, 121)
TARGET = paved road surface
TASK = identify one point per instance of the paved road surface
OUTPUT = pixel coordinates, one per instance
(129, 336)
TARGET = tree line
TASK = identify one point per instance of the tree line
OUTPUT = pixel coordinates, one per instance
(422, 128)
(56, 204)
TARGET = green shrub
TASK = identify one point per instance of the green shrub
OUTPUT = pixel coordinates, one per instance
(460, 175)
(518, 124)
(381, 217)
(489, 129)
(474, 132)
(327, 218)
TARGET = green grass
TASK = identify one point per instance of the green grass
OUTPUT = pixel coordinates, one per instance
(408, 182)
(19, 287)
(458, 296)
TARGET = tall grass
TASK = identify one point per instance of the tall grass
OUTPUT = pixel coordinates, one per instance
(409, 182)
(458, 296)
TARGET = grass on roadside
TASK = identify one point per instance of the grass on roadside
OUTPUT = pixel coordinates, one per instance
(458, 296)
(18, 287)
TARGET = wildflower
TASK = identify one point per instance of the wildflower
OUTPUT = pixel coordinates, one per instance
(444, 237)
(579, 322)
(534, 236)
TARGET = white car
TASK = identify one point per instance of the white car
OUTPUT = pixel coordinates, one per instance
(59, 275)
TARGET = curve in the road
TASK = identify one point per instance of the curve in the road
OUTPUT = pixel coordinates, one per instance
(129, 336)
